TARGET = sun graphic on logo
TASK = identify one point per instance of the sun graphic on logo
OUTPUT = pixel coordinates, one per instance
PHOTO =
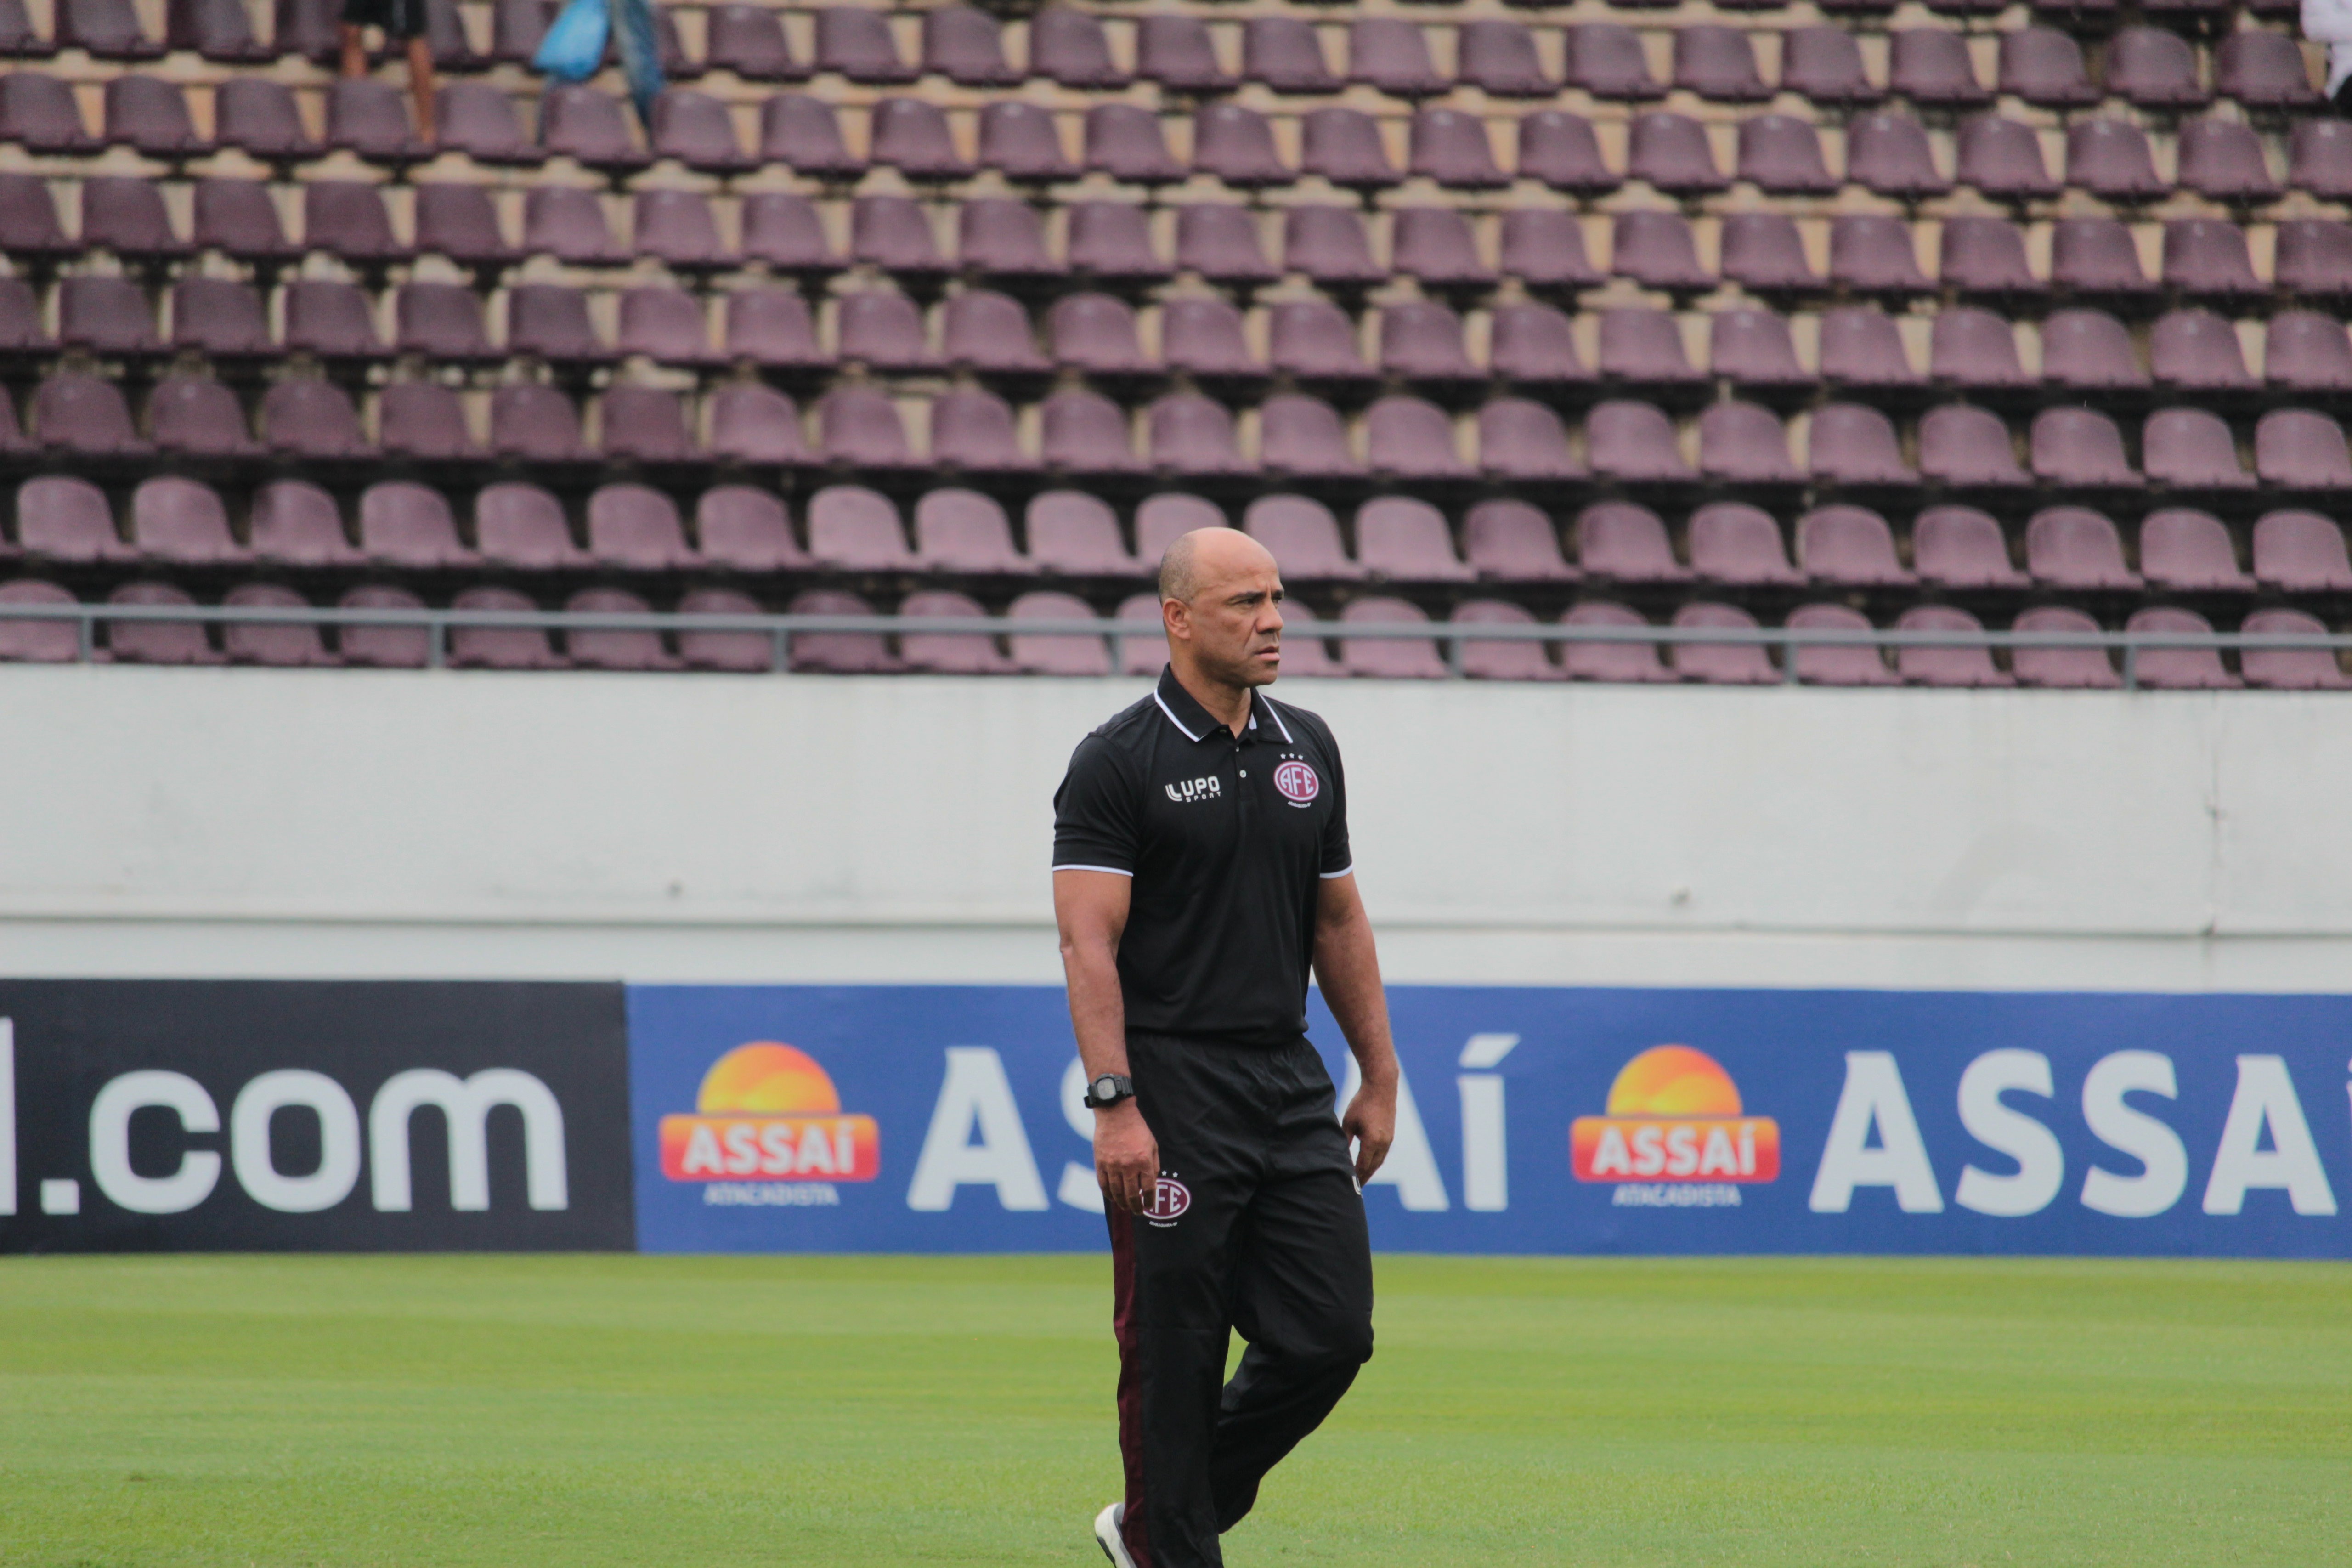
(1673, 1080)
(767, 1076)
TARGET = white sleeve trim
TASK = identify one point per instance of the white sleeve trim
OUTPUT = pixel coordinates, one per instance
(1111, 870)
(1346, 871)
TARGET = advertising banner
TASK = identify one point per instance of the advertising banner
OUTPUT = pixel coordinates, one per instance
(1542, 1121)
(263, 1116)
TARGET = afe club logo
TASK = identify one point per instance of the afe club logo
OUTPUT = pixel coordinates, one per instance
(1674, 1116)
(1170, 1199)
(1297, 782)
(768, 1111)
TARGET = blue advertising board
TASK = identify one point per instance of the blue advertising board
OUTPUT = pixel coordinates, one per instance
(920, 1118)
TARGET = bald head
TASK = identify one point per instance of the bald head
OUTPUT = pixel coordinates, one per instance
(1206, 557)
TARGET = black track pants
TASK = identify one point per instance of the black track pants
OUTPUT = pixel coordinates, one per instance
(1259, 1228)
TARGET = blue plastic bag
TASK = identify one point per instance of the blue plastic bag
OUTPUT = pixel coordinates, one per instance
(573, 48)
(633, 27)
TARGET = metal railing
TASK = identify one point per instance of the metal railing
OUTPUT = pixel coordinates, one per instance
(1451, 635)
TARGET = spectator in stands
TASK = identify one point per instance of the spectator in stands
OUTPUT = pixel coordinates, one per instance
(401, 19)
(2329, 22)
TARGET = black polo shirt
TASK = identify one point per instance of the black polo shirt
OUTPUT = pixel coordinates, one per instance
(1228, 841)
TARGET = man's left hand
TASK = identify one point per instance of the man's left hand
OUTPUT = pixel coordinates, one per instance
(1371, 1120)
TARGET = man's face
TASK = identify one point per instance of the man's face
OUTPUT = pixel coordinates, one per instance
(1233, 622)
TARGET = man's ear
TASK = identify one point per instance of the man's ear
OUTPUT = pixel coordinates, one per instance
(1175, 614)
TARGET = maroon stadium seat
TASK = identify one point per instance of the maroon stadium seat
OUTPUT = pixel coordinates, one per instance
(2080, 447)
(1511, 542)
(1763, 253)
(743, 529)
(2301, 552)
(2074, 547)
(2197, 351)
(1497, 659)
(2191, 448)
(1945, 666)
(750, 41)
(1854, 444)
(1303, 437)
(570, 226)
(295, 523)
(1500, 57)
(408, 525)
(859, 45)
(1611, 661)
(522, 526)
(421, 419)
(197, 416)
(973, 430)
(1560, 150)
(1976, 351)
(1645, 347)
(1041, 655)
(1175, 50)
(2154, 69)
(2062, 667)
(1960, 547)
(801, 133)
(1070, 46)
(1825, 64)
(1848, 546)
(1721, 663)
(2186, 549)
(966, 45)
(859, 426)
(1930, 66)
(2110, 159)
(1389, 659)
(1837, 664)
(1744, 444)
(1435, 244)
(1545, 250)
(1078, 535)
(2300, 449)
(1626, 542)
(1969, 447)
(2089, 350)
(1391, 54)
(1633, 442)
(1738, 544)
(2284, 669)
(853, 529)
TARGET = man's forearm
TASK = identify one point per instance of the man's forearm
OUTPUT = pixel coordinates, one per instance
(1098, 1008)
(1348, 966)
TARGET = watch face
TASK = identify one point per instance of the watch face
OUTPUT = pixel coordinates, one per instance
(1105, 1087)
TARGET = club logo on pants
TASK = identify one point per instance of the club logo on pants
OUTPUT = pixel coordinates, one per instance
(1170, 1199)
(1297, 782)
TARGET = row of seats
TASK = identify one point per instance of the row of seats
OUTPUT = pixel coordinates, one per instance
(1285, 54)
(1884, 152)
(961, 533)
(285, 645)
(1110, 245)
(1313, 339)
(1625, 441)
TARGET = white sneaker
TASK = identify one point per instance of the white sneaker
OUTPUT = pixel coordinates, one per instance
(1107, 1535)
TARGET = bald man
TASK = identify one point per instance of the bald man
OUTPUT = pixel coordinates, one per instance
(1200, 867)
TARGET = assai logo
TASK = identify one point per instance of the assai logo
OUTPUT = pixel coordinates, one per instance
(1674, 1136)
(1297, 781)
(767, 1129)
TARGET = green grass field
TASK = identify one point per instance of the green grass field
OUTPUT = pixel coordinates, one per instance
(853, 1412)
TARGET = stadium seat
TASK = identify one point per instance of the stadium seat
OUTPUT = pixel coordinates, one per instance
(643, 425)
(157, 642)
(1512, 541)
(2300, 449)
(420, 419)
(1739, 545)
(37, 642)
(912, 136)
(501, 647)
(408, 525)
(614, 647)
(1410, 438)
(1021, 142)
(2096, 257)
(152, 116)
(2223, 159)
(2319, 158)
(1389, 659)
(128, 217)
(1875, 254)
(535, 423)
(1962, 547)
(258, 115)
(1494, 659)
(1633, 443)
(2080, 448)
(1744, 444)
(1040, 655)
(1391, 54)
(2062, 666)
(1848, 546)
(222, 318)
(1825, 64)
(2262, 70)
(1111, 242)
(1435, 246)
(741, 528)
(750, 41)
(1625, 543)
(1836, 664)
(238, 218)
(2003, 159)
(1609, 661)
(1721, 663)
(1204, 337)
(754, 424)
(677, 227)
(1719, 63)
(1084, 433)
(2281, 669)
(1976, 351)
(1930, 66)
(859, 45)
(312, 419)
(2177, 668)
(2191, 448)
(2088, 350)
(83, 416)
(1314, 341)
(966, 45)
(1546, 249)
(2207, 259)
(550, 322)
(1078, 535)
(1422, 340)
(2153, 68)
(1330, 245)
(1235, 145)
(1854, 444)
(2111, 159)
(1763, 253)
(1222, 244)
(1303, 437)
(1889, 153)
(1644, 347)
(1671, 152)
(801, 133)
(1453, 149)
(1753, 350)
(972, 430)
(1604, 58)
(667, 326)
(1070, 46)
(1559, 149)
(989, 332)
(2044, 66)
(522, 526)
(2313, 257)
(2197, 351)
(2185, 549)
(1986, 257)
(1960, 666)
(853, 529)
(2301, 552)
(1175, 50)
(1781, 155)
(1968, 447)
(296, 523)
(1520, 439)
(2076, 547)
(697, 129)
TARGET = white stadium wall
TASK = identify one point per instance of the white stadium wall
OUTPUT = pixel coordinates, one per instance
(250, 822)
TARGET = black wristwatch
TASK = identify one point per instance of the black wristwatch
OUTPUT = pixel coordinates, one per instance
(1108, 1090)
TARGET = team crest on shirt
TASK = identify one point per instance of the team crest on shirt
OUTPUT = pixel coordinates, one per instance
(1170, 1199)
(1297, 781)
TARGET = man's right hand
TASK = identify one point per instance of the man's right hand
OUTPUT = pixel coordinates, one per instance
(1127, 1158)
